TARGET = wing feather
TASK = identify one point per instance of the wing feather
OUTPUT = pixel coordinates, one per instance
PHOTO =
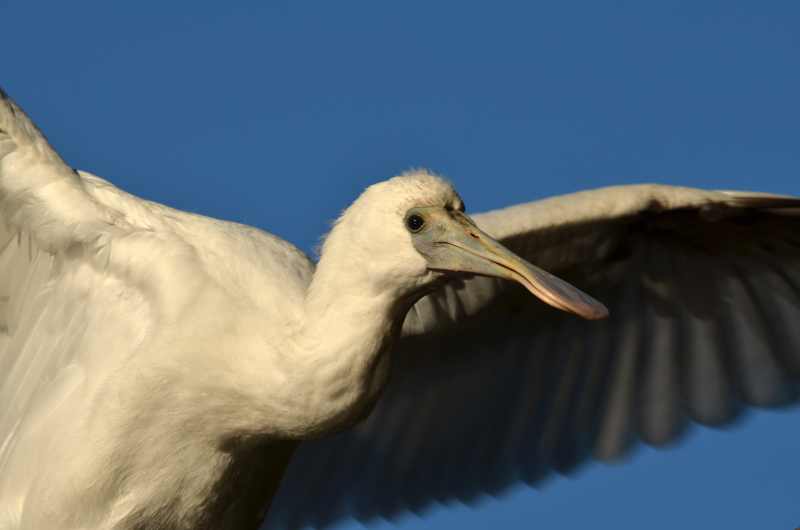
(66, 315)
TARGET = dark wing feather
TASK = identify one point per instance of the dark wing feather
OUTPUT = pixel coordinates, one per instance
(491, 388)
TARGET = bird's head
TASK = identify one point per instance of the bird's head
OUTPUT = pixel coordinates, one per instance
(410, 231)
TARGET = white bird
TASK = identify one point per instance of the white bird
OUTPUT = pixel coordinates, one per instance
(158, 369)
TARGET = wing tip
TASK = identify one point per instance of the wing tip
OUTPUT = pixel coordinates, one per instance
(760, 201)
(9, 114)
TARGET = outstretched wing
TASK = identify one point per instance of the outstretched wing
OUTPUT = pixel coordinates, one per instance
(72, 306)
(490, 387)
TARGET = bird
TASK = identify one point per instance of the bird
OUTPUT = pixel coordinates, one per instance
(165, 370)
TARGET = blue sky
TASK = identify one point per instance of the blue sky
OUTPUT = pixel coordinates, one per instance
(277, 114)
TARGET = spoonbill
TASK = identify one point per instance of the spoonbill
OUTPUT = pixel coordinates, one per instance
(160, 369)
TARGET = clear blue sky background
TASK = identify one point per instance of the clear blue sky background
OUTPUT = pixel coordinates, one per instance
(277, 114)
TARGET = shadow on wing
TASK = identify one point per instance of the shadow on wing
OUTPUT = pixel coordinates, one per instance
(503, 390)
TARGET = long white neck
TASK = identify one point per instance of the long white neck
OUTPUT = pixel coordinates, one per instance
(343, 348)
(338, 359)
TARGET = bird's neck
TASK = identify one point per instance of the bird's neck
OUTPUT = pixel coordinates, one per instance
(343, 346)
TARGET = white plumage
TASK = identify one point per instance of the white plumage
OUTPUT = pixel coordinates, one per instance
(158, 368)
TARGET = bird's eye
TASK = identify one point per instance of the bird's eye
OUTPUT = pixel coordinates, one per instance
(415, 222)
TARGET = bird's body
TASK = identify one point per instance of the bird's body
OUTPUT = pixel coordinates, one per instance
(176, 314)
(158, 368)
(196, 350)
(239, 319)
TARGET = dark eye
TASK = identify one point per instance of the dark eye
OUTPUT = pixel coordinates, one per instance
(415, 222)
